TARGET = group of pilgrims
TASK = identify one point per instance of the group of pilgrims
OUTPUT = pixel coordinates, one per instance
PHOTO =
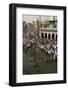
(47, 46)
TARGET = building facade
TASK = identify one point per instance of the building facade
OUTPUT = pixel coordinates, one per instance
(49, 30)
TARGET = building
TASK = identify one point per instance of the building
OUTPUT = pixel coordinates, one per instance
(36, 24)
(49, 31)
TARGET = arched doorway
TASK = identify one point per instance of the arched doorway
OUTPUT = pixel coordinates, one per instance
(42, 35)
(53, 36)
(45, 35)
(56, 37)
(49, 36)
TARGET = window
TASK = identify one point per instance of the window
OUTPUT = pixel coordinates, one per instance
(56, 37)
(45, 35)
(53, 36)
(42, 35)
(49, 36)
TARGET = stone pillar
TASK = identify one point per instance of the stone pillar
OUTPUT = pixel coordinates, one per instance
(40, 32)
(44, 34)
(55, 37)
(51, 37)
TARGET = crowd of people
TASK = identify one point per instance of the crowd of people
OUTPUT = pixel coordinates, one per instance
(47, 46)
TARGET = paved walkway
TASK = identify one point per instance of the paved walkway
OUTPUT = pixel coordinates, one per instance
(42, 66)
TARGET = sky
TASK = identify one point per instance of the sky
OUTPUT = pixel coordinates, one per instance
(30, 18)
